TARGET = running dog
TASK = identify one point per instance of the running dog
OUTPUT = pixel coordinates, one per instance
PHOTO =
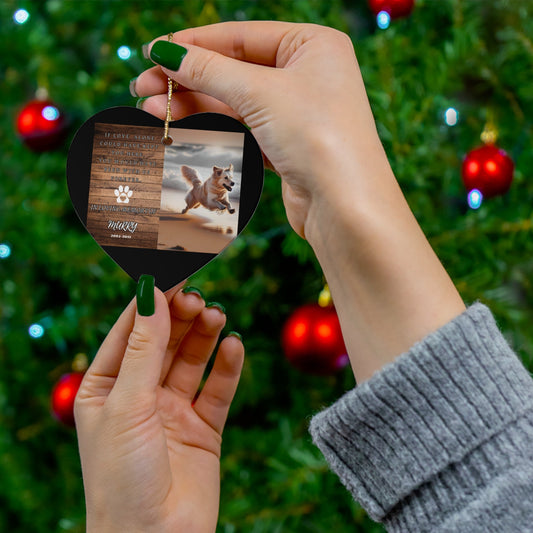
(213, 193)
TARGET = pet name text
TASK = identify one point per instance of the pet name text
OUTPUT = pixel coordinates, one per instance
(122, 225)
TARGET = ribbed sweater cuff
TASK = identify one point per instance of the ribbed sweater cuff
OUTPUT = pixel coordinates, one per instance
(407, 436)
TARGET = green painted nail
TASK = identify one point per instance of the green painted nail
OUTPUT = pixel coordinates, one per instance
(145, 50)
(133, 91)
(145, 295)
(220, 307)
(192, 290)
(235, 334)
(168, 55)
(140, 102)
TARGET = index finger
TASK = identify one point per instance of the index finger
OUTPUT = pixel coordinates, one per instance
(252, 41)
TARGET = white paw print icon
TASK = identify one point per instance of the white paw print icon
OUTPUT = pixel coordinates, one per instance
(123, 194)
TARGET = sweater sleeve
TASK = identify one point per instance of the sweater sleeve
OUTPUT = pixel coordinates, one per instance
(441, 439)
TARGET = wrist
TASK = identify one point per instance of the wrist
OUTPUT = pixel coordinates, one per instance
(352, 192)
(389, 288)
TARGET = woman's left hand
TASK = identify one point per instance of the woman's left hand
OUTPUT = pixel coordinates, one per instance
(150, 451)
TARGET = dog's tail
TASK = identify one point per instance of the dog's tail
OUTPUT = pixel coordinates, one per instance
(191, 175)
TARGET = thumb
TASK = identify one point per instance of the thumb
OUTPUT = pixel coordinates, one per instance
(229, 80)
(141, 366)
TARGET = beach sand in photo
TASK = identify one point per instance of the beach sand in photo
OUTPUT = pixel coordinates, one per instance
(192, 233)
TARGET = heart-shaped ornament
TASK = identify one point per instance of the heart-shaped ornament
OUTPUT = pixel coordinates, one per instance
(158, 208)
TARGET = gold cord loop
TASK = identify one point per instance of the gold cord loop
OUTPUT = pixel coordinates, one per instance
(172, 85)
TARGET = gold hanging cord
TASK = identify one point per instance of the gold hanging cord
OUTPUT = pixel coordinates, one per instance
(166, 140)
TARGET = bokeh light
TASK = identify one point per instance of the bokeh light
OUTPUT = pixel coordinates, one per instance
(5, 251)
(383, 20)
(36, 331)
(124, 52)
(475, 198)
(50, 112)
(451, 116)
(21, 16)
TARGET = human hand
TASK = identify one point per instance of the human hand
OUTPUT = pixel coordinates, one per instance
(149, 451)
(298, 87)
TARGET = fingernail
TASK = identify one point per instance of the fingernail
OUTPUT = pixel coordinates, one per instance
(235, 334)
(146, 50)
(140, 102)
(193, 290)
(133, 92)
(145, 295)
(168, 55)
(220, 307)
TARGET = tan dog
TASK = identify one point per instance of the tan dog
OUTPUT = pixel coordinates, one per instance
(213, 193)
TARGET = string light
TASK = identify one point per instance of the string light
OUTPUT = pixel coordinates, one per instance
(50, 112)
(5, 251)
(36, 331)
(124, 52)
(21, 16)
(451, 116)
(475, 198)
(383, 20)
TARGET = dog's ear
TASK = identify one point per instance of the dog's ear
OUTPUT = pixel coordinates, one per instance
(231, 167)
(217, 169)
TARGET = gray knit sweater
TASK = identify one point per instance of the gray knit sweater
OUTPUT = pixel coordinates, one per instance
(441, 439)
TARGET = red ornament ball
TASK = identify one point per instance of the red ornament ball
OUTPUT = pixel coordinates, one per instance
(488, 169)
(395, 8)
(312, 340)
(63, 395)
(41, 125)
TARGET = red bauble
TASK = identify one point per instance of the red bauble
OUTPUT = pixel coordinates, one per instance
(488, 169)
(312, 340)
(395, 8)
(63, 396)
(41, 125)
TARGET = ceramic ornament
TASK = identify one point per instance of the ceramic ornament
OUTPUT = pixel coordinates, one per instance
(161, 197)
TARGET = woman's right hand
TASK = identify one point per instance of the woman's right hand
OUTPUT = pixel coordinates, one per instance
(297, 86)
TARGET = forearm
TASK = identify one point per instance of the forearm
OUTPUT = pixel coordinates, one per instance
(389, 288)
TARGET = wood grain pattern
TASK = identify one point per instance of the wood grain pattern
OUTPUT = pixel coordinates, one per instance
(127, 165)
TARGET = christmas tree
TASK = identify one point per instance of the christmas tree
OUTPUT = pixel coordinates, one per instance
(435, 79)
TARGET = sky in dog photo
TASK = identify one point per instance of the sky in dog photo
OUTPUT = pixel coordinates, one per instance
(199, 229)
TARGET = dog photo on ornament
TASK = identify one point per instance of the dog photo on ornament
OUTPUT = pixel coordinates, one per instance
(200, 192)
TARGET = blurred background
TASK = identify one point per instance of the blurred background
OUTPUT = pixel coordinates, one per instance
(438, 76)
